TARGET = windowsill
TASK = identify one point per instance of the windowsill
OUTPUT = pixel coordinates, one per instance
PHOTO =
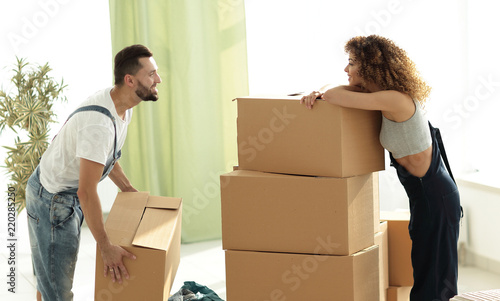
(481, 180)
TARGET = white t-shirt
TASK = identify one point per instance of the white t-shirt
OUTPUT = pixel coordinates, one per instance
(88, 135)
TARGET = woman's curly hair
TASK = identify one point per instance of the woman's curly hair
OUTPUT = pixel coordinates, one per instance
(387, 65)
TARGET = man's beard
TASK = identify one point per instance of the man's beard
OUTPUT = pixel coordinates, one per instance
(145, 93)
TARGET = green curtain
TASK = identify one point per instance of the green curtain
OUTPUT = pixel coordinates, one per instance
(179, 145)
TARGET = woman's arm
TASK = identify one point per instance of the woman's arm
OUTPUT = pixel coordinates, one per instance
(310, 99)
(357, 98)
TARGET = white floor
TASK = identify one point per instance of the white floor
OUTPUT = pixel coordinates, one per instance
(200, 262)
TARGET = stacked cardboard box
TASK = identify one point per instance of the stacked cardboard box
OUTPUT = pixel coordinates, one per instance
(398, 293)
(400, 267)
(300, 215)
(382, 240)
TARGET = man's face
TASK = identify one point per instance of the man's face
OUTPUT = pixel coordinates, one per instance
(147, 78)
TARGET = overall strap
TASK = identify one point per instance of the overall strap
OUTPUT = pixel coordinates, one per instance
(442, 150)
(95, 108)
(445, 158)
(102, 110)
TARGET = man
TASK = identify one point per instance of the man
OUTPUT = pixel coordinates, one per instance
(63, 188)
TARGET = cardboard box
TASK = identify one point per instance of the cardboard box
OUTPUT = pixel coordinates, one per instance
(398, 293)
(266, 276)
(283, 136)
(376, 202)
(382, 241)
(400, 267)
(150, 228)
(488, 295)
(296, 214)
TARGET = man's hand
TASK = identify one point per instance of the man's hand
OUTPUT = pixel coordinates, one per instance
(130, 189)
(120, 179)
(112, 257)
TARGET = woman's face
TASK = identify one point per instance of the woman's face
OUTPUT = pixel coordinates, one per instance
(352, 71)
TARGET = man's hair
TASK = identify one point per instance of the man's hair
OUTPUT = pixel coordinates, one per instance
(127, 61)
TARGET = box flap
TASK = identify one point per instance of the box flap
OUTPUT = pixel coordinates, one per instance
(383, 227)
(125, 216)
(369, 249)
(163, 202)
(120, 238)
(157, 226)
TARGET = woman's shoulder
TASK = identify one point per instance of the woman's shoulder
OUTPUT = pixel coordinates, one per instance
(394, 95)
(401, 108)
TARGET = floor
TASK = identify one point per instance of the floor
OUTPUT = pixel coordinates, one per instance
(201, 262)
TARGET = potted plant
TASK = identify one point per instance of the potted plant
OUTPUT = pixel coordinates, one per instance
(28, 112)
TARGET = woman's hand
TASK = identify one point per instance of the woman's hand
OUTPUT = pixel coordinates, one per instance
(310, 99)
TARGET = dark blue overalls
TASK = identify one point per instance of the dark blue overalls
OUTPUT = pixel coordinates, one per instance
(434, 226)
(116, 152)
(54, 221)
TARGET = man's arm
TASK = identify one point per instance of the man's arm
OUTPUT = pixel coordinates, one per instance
(120, 179)
(112, 255)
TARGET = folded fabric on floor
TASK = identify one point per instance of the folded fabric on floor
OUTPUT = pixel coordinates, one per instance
(183, 295)
(192, 291)
(491, 295)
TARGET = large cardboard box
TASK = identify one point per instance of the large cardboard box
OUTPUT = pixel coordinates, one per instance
(296, 214)
(376, 202)
(400, 267)
(382, 241)
(150, 228)
(281, 135)
(266, 276)
(399, 293)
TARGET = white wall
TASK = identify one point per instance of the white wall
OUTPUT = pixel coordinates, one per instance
(481, 206)
(74, 38)
(298, 46)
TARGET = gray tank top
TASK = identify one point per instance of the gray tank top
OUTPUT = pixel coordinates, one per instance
(408, 137)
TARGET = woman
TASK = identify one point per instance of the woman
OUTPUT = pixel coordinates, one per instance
(392, 85)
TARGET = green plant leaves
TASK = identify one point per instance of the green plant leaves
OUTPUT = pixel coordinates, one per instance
(28, 113)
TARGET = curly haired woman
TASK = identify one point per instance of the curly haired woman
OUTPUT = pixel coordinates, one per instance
(383, 78)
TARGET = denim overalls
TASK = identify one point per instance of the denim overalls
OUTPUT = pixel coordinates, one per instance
(434, 226)
(54, 222)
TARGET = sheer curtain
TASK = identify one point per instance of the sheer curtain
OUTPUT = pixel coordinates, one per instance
(180, 145)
